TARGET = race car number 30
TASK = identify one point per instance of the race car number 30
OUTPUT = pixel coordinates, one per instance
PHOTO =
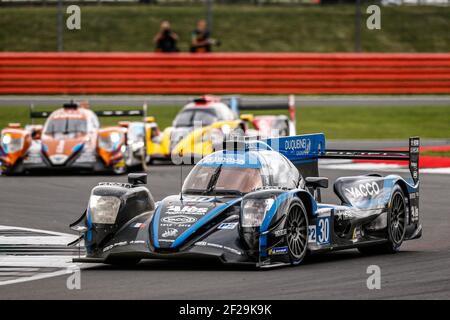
(320, 233)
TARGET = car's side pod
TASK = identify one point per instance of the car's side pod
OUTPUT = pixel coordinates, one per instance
(411, 190)
(132, 199)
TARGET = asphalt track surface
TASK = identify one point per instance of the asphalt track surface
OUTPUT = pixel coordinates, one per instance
(420, 271)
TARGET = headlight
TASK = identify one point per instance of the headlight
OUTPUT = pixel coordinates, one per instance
(6, 139)
(11, 145)
(104, 209)
(254, 211)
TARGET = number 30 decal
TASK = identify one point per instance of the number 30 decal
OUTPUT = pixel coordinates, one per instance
(323, 230)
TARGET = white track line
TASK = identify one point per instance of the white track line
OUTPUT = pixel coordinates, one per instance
(3, 227)
(21, 265)
(39, 276)
(57, 241)
(53, 238)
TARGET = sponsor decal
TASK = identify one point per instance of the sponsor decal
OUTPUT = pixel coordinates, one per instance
(227, 225)
(137, 242)
(278, 250)
(280, 233)
(224, 160)
(179, 220)
(218, 246)
(118, 244)
(414, 214)
(363, 190)
(343, 215)
(166, 240)
(312, 234)
(123, 243)
(194, 210)
(298, 144)
(357, 234)
(170, 232)
(323, 230)
(200, 199)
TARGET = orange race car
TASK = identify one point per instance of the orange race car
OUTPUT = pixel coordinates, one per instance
(71, 138)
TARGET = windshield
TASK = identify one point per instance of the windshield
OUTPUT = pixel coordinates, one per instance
(66, 126)
(188, 117)
(222, 180)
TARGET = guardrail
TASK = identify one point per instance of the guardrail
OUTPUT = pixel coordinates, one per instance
(224, 73)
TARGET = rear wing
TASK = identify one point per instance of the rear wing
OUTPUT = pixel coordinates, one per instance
(123, 113)
(120, 113)
(304, 151)
(411, 155)
(238, 105)
(103, 113)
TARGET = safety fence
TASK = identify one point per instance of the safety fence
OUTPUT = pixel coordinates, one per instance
(224, 73)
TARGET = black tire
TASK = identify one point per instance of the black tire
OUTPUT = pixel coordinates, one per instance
(396, 225)
(297, 232)
(123, 262)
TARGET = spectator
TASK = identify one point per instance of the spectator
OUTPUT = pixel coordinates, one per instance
(165, 40)
(200, 39)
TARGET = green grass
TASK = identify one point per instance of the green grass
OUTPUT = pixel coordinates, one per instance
(240, 27)
(335, 122)
(436, 153)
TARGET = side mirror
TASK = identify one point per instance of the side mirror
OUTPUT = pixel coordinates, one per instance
(247, 117)
(137, 179)
(316, 182)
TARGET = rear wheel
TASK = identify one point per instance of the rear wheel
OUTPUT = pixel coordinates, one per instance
(297, 232)
(396, 225)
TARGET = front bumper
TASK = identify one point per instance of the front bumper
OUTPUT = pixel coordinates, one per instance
(45, 166)
(141, 251)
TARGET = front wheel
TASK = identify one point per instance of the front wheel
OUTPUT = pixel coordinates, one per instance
(396, 225)
(297, 232)
(120, 167)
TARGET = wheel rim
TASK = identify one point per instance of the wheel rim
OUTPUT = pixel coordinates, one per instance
(297, 232)
(397, 225)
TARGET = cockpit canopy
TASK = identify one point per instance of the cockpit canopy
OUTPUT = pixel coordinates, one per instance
(66, 126)
(240, 172)
(203, 113)
(71, 123)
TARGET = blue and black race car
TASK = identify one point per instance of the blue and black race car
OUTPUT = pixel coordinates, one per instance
(255, 202)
